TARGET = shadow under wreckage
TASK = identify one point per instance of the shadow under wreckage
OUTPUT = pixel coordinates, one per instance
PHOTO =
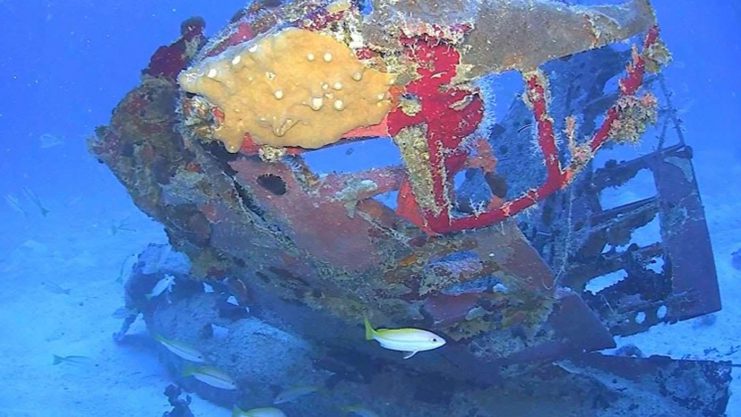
(273, 266)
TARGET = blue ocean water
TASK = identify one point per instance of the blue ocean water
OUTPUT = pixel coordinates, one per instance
(70, 229)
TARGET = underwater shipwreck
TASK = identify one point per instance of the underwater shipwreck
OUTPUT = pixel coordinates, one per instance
(486, 230)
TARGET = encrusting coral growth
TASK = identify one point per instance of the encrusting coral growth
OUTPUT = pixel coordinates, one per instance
(279, 241)
(333, 72)
(293, 88)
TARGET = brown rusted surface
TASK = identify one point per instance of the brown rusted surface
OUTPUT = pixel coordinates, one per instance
(326, 221)
(686, 284)
(685, 234)
(512, 34)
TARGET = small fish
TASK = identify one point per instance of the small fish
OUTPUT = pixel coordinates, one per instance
(124, 312)
(210, 376)
(258, 412)
(122, 270)
(293, 393)
(71, 359)
(15, 204)
(35, 200)
(165, 284)
(358, 410)
(48, 140)
(736, 259)
(180, 349)
(120, 228)
(55, 288)
(408, 340)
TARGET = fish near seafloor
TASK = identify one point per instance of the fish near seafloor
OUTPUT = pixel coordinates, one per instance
(293, 393)
(56, 288)
(210, 376)
(736, 259)
(258, 412)
(71, 359)
(180, 349)
(408, 340)
(15, 204)
(358, 410)
(165, 284)
(35, 200)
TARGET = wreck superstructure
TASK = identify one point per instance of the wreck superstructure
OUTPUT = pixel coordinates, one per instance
(212, 144)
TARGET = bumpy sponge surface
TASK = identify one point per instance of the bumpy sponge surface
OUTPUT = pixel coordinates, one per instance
(292, 88)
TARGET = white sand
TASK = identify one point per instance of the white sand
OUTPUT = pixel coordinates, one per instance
(75, 248)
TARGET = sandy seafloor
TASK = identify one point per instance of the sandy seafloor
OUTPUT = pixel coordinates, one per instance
(77, 247)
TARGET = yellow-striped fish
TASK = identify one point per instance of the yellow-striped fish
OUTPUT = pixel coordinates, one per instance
(257, 412)
(293, 393)
(181, 349)
(211, 376)
(407, 340)
(358, 410)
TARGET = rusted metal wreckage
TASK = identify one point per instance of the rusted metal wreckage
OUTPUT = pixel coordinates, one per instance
(493, 239)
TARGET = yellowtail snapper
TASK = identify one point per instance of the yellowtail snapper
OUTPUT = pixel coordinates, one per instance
(358, 410)
(211, 376)
(55, 288)
(293, 393)
(258, 412)
(70, 359)
(180, 349)
(407, 340)
(35, 200)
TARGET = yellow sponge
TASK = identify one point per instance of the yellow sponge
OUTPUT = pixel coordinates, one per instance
(293, 88)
